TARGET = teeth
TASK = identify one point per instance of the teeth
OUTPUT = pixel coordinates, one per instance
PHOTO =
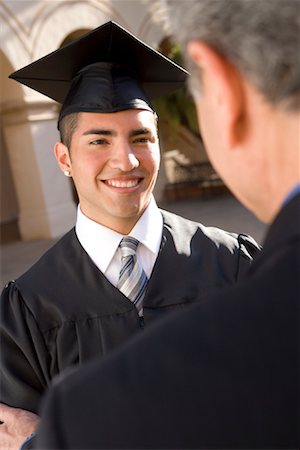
(122, 184)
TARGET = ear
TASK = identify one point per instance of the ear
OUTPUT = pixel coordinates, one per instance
(222, 85)
(62, 156)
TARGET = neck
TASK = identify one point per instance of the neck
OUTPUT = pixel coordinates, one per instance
(278, 151)
(285, 173)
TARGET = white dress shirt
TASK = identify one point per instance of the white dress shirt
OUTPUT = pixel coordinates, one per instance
(101, 243)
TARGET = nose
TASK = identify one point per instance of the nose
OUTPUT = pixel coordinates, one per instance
(123, 158)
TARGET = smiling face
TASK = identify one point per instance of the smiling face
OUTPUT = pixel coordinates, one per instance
(114, 161)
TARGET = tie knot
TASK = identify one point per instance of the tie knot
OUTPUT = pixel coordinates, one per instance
(128, 246)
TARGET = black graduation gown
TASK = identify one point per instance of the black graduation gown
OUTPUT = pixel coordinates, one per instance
(64, 311)
(222, 374)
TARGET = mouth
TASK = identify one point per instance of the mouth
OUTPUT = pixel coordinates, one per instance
(123, 184)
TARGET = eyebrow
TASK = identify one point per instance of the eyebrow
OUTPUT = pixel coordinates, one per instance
(137, 132)
(99, 131)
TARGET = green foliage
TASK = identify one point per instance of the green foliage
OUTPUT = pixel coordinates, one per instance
(178, 107)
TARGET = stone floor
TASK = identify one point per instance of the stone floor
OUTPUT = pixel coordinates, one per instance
(222, 211)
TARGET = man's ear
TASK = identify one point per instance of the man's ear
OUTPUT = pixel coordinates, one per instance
(62, 156)
(222, 84)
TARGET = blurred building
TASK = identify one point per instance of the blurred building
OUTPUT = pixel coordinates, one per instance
(36, 200)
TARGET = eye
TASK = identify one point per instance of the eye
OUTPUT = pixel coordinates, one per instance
(142, 140)
(99, 142)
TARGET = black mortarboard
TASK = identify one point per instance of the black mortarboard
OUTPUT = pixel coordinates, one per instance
(106, 70)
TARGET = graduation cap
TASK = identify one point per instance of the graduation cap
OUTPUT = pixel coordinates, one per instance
(106, 70)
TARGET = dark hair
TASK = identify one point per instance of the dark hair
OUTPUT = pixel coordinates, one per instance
(66, 127)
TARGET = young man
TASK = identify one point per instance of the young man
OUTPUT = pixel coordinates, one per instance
(70, 306)
(225, 373)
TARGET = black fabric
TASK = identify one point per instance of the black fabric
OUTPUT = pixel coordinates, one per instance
(149, 74)
(64, 311)
(104, 87)
(222, 374)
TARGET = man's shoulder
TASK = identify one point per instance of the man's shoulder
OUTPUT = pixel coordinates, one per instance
(45, 281)
(219, 238)
(47, 263)
(176, 222)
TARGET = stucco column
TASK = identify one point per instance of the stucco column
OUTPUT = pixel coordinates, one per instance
(159, 189)
(46, 205)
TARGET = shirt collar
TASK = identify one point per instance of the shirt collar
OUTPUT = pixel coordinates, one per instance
(292, 194)
(98, 241)
(148, 230)
(101, 242)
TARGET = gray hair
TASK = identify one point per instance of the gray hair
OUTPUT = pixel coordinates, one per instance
(260, 37)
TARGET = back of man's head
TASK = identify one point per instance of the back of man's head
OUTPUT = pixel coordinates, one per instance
(260, 37)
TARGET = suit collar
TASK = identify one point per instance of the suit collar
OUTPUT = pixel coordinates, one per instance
(286, 224)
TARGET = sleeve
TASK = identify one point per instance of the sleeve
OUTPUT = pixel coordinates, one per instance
(24, 357)
(249, 249)
(50, 433)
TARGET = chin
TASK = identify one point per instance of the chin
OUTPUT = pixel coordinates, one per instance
(132, 212)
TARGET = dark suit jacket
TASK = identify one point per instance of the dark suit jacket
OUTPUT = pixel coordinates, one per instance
(223, 374)
(64, 311)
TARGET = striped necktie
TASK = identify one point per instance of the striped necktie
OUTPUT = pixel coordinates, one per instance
(132, 279)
